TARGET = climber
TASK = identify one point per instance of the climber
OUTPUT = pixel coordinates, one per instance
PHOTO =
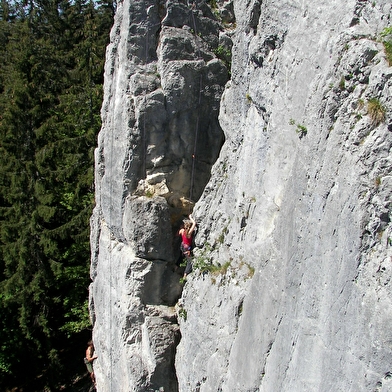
(186, 233)
(89, 359)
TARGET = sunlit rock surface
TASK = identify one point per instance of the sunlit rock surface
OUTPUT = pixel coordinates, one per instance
(296, 215)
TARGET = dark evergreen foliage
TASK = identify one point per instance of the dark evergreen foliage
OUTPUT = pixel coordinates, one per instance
(51, 77)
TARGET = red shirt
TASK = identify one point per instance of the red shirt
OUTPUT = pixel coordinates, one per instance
(185, 240)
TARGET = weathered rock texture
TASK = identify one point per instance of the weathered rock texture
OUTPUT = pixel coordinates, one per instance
(159, 139)
(295, 217)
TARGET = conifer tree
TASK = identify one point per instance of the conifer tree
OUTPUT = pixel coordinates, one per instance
(50, 98)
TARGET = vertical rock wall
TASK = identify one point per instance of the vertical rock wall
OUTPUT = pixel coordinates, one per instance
(301, 195)
(159, 139)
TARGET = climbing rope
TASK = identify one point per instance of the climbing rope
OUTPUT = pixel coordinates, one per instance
(196, 139)
(191, 191)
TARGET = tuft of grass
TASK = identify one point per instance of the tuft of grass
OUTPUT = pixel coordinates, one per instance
(222, 269)
(183, 314)
(202, 261)
(342, 83)
(212, 4)
(301, 130)
(222, 52)
(386, 36)
(204, 264)
(149, 193)
(251, 271)
(376, 111)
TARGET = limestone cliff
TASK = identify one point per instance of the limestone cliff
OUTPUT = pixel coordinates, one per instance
(292, 182)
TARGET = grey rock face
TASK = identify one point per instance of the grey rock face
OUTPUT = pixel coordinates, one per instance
(291, 287)
(301, 193)
(159, 139)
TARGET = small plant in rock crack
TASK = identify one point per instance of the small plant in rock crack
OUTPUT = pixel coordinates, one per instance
(251, 269)
(149, 193)
(183, 314)
(376, 111)
(222, 52)
(212, 4)
(342, 83)
(386, 36)
(220, 269)
(301, 129)
(202, 263)
(360, 104)
(201, 260)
